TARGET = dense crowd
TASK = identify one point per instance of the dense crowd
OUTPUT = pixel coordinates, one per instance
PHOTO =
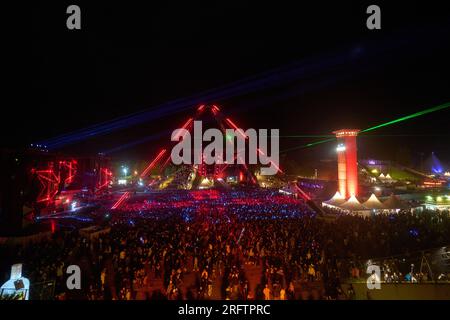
(398, 240)
(247, 244)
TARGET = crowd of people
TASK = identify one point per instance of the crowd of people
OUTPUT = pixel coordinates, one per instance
(239, 244)
(404, 244)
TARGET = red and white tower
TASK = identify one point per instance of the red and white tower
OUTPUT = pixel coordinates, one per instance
(347, 162)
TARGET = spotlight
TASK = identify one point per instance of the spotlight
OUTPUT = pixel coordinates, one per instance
(340, 148)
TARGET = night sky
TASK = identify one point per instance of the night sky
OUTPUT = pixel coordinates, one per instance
(129, 58)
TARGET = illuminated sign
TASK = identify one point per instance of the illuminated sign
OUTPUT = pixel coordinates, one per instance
(17, 287)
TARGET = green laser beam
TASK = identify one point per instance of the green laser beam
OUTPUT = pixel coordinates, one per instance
(308, 136)
(370, 135)
(268, 134)
(319, 142)
(308, 145)
(405, 135)
(414, 115)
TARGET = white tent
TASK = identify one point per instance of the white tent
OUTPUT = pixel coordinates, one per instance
(388, 177)
(381, 176)
(353, 204)
(373, 203)
(335, 201)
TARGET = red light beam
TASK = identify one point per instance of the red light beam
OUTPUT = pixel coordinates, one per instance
(231, 123)
(153, 163)
(271, 162)
(121, 200)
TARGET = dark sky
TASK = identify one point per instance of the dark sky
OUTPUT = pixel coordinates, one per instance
(129, 58)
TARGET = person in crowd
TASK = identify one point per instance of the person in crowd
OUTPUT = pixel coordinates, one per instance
(240, 244)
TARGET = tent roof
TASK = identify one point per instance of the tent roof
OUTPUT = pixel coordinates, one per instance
(337, 195)
(373, 203)
(336, 200)
(353, 204)
(394, 202)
